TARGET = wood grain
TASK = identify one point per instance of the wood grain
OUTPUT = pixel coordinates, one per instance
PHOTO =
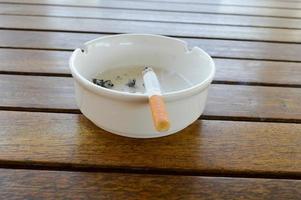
(38, 92)
(37, 61)
(20, 61)
(142, 15)
(252, 50)
(258, 102)
(224, 100)
(172, 29)
(253, 71)
(171, 7)
(269, 4)
(70, 141)
(216, 48)
(57, 141)
(26, 184)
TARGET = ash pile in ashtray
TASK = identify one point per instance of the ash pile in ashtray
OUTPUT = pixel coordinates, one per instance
(130, 80)
(108, 83)
(121, 79)
(103, 83)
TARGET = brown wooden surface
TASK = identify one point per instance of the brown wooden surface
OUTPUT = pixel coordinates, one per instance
(250, 128)
(142, 15)
(171, 7)
(171, 29)
(26, 184)
(224, 100)
(222, 147)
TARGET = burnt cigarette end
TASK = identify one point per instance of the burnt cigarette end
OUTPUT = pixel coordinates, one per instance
(146, 69)
(131, 83)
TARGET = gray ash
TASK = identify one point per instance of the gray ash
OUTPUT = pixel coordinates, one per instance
(103, 83)
(131, 83)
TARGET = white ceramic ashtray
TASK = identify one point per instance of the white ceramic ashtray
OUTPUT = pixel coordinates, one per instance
(122, 107)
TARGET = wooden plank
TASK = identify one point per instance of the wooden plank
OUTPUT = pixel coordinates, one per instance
(37, 61)
(27, 91)
(257, 102)
(268, 4)
(195, 18)
(224, 100)
(251, 50)
(172, 29)
(227, 70)
(207, 146)
(257, 71)
(216, 48)
(29, 184)
(171, 7)
(44, 40)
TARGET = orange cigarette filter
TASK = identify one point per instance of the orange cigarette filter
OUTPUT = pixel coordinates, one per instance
(159, 113)
(156, 102)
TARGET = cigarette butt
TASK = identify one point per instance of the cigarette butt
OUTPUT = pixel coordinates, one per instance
(159, 113)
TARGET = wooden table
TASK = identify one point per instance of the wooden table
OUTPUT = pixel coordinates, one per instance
(246, 145)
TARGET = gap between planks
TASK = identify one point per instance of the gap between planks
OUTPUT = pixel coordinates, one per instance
(168, 35)
(224, 82)
(72, 142)
(204, 117)
(77, 4)
(239, 33)
(82, 185)
(156, 21)
(43, 34)
(160, 9)
(150, 16)
(70, 167)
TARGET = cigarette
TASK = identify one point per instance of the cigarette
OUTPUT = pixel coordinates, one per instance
(156, 102)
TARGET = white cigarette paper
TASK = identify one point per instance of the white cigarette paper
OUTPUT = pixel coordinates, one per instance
(151, 82)
(156, 102)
